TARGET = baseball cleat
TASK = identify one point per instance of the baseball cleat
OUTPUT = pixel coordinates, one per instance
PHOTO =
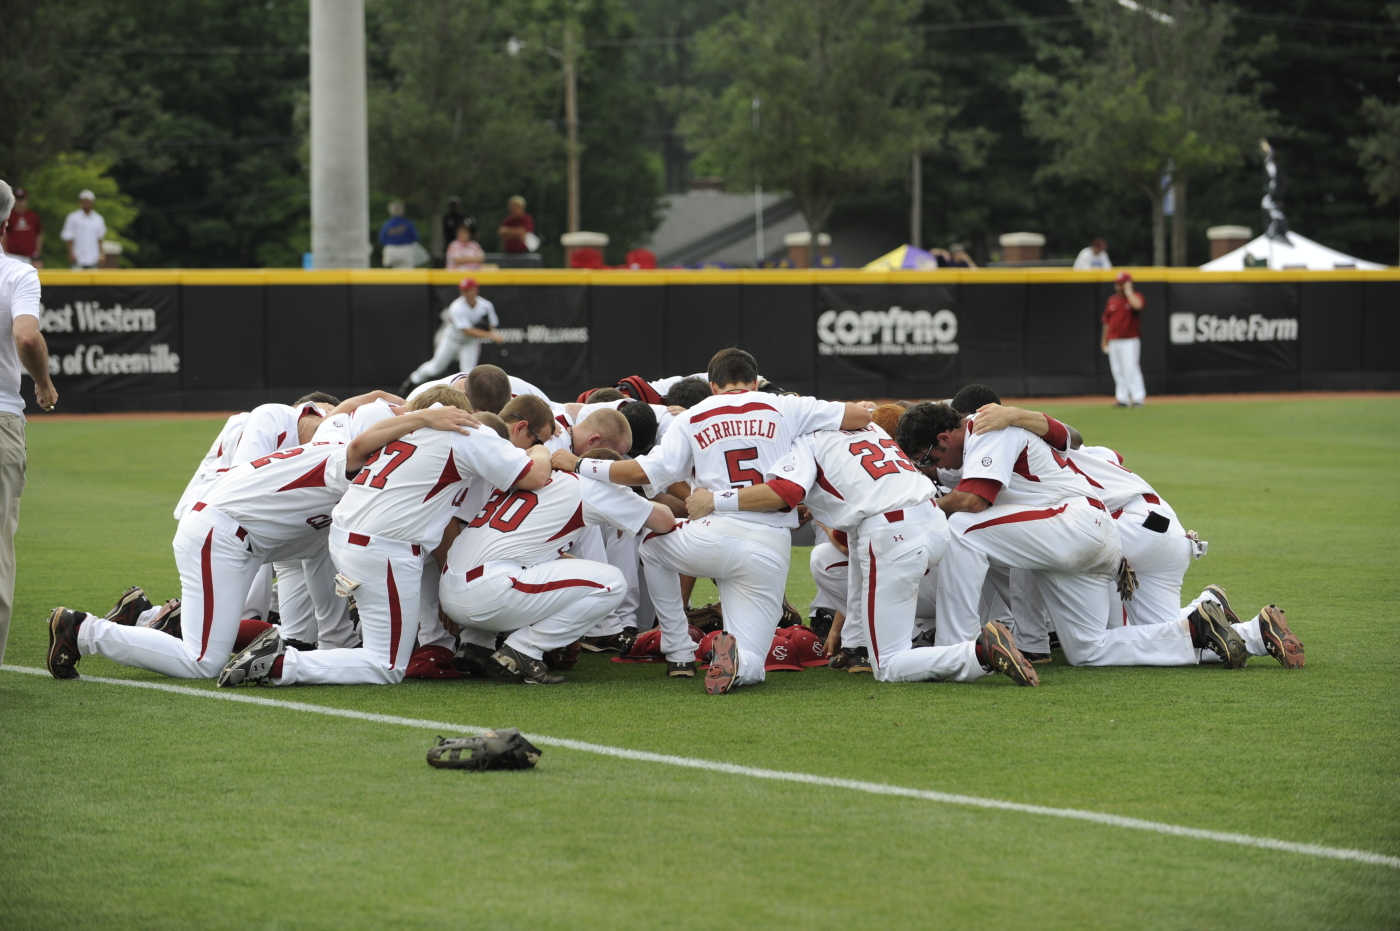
(167, 619)
(1213, 632)
(1279, 639)
(529, 670)
(724, 664)
(63, 656)
(407, 386)
(851, 659)
(1037, 659)
(789, 617)
(1219, 595)
(821, 621)
(129, 607)
(999, 653)
(564, 658)
(619, 642)
(478, 661)
(680, 670)
(254, 664)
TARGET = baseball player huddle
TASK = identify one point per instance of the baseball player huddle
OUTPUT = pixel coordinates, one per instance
(478, 529)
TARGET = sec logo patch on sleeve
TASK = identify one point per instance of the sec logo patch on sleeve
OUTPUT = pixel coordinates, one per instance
(986, 461)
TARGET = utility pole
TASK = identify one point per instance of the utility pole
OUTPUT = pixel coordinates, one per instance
(571, 122)
(916, 206)
(339, 137)
(757, 194)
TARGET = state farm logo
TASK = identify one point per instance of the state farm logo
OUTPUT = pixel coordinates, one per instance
(1189, 328)
(893, 332)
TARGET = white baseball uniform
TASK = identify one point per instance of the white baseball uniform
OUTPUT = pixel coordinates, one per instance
(664, 417)
(519, 386)
(1043, 518)
(457, 344)
(726, 442)
(830, 570)
(503, 573)
(394, 511)
(276, 507)
(860, 482)
(210, 465)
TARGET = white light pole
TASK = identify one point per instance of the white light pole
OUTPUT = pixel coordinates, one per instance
(757, 194)
(339, 137)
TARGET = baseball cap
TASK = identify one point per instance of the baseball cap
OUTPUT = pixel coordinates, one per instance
(20, 193)
(806, 646)
(466, 283)
(1122, 277)
(782, 656)
(85, 194)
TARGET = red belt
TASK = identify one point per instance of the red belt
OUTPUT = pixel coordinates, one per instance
(200, 505)
(893, 516)
(474, 574)
(360, 539)
(1152, 499)
(1096, 503)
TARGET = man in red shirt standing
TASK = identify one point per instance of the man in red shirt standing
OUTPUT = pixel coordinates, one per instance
(1122, 342)
(25, 238)
(516, 226)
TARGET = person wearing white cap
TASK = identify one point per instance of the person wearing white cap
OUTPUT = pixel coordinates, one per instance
(84, 230)
(469, 320)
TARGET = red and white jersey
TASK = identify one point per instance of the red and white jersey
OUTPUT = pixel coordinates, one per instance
(530, 527)
(519, 386)
(563, 423)
(209, 466)
(269, 427)
(344, 427)
(282, 497)
(438, 381)
(1101, 467)
(1014, 466)
(731, 440)
(664, 417)
(409, 490)
(850, 475)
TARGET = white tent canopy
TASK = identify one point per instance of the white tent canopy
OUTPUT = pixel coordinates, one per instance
(1302, 253)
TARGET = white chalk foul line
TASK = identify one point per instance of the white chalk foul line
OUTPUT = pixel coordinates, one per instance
(776, 775)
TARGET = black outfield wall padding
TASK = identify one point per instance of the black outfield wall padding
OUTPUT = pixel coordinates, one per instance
(178, 340)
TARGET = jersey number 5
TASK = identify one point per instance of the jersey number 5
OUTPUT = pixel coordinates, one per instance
(739, 476)
(395, 454)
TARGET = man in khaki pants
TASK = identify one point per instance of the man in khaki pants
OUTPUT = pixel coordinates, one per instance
(19, 311)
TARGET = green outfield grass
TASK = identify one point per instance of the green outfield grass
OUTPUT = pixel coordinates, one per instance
(132, 808)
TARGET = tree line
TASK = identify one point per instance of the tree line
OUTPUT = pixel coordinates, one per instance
(1075, 119)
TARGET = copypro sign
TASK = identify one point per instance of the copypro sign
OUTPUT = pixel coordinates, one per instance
(903, 335)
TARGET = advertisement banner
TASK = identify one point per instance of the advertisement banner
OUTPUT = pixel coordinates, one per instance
(113, 339)
(894, 333)
(544, 330)
(1232, 327)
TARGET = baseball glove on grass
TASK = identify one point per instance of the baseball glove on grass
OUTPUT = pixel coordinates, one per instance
(790, 617)
(1127, 581)
(706, 617)
(505, 748)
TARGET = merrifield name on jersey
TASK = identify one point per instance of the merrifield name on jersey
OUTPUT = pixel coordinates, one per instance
(760, 429)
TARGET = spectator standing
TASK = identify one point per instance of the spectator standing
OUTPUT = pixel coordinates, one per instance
(470, 319)
(955, 256)
(24, 238)
(1122, 341)
(84, 230)
(397, 236)
(453, 218)
(1093, 256)
(515, 226)
(464, 252)
(19, 312)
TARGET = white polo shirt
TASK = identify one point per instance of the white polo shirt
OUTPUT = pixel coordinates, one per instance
(85, 232)
(19, 296)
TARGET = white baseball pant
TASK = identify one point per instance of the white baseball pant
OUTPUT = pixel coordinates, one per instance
(1249, 630)
(548, 606)
(1013, 597)
(589, 546)
(216, 570)
(390, 574)
(891, 558)
(455, 345)
(830, 570)
(1072, 550)
(1160, 560)
(623, 555)
(258, 603)
(1124, 359)
(431, 633)
(310, 609)
(749, 563)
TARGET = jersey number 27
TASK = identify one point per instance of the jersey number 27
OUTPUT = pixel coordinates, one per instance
(392, 456)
